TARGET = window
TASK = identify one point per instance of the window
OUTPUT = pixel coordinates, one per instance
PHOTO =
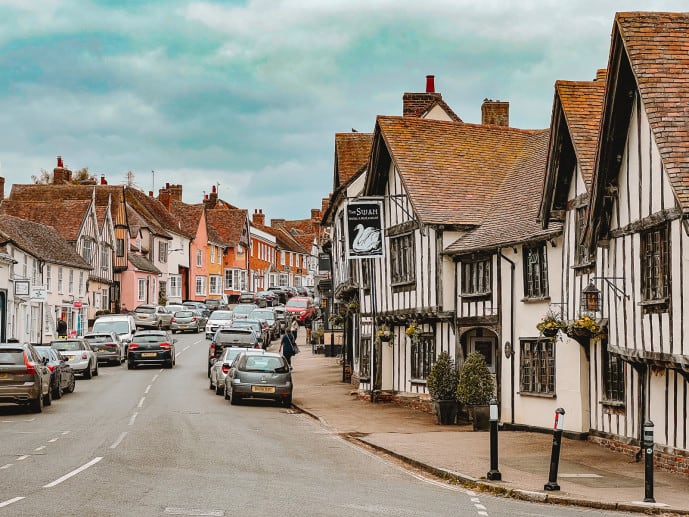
(34, 272)
(105, 302)
(212, 254)
(201, 285)
(537, 367)
(48, 278)
(96, 301)
(364, 357)
(235, 279)
(613, 376)
(81, 283)
(215, 284)
(402, 263)
(141, 290)
(476, 277)
(175, 286)
(284, 280)
(104, 257)
(536, 271)
(119, 247)
(422, 356)
(581, 253)
(655, 266)
(70, 288)
(283, 254)
(162, 251)
(59, 280)
(87, 252)
(199, 258)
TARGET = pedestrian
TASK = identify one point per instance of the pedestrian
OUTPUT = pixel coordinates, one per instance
(308, 326)
(288, 347)
(61, 328)
(294, 328)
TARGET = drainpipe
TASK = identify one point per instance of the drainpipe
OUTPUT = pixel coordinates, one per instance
(512, 266)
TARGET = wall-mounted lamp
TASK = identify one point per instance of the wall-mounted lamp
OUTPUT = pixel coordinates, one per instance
(590, 295)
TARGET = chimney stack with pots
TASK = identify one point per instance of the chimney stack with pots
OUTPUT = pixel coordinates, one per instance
(430, 84)
(102, 180)
(276, 223)
(495, 113)
(2, 188)
(416, 104)
(259, 218)
(61, 175)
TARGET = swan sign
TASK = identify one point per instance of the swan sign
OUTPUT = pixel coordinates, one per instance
(364, 228)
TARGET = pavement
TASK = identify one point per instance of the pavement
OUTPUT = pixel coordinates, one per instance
(589, 475)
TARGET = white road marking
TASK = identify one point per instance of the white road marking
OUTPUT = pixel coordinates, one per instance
(119, 440)
(10, 501)
(65, 432)
(131, 420)
(187, 348)
(482, 513)
(155, 377)
(20, 458)
(148, 388)
(480, 507)
(194, 511)
(141, 402)
(40, 448)
(53, 440)
(6, 466)
(73, 473)
(580, 476)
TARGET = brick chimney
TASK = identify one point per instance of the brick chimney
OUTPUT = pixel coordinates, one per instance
(601, 75)
(2, 188)
(325, 203)
(259, 218)
(496, 113)
(213, 198)
(164, 197)
(175, 192)
(416, 104)
(276, 223)
(61, 175)
(315, 214)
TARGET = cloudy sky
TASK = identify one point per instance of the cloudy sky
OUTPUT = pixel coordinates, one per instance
(248, 94)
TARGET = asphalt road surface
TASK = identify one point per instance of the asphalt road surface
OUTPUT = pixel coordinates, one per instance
(155, 442)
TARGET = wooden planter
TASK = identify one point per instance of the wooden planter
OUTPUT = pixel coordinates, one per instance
(446, 411)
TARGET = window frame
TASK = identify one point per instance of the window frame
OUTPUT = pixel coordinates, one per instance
(477, 277)
(537, 368)
(655, 268)
(422, 357)
(403, 259)
(536, 273)
(613, 372)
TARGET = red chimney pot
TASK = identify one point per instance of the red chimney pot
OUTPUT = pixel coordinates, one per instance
(430, 84)
(59, 161)
(213, 188)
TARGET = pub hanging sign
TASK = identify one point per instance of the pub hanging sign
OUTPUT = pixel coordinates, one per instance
(364, 229)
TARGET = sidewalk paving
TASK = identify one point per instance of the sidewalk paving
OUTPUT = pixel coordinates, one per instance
(589, 475)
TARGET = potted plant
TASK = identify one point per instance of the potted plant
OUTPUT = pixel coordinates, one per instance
(442, 387)
(413, 330)
(551, 324)
(584, 326)
(475, 389)
(384, 333)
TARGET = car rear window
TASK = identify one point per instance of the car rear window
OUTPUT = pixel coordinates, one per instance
(259, 363)
(118, 327)
(145, 310)
(66, 345)
(12, 356)
(300, 304)
(98, 339)
(184, 314)
(149, 338)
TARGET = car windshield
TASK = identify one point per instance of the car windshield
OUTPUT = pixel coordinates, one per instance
(221, 315)
(66, 345)
(244, 309)
(44, 351)
(230, 354)
(15, 356)
(299, 304)
(263, 314)
(119, 327)
(145, 310)
(92, 338)
(259, 363)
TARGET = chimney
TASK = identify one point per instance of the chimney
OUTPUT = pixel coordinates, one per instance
(430, 84)
(259, 218)
(176, 192)
(496, 113)
(275, 223)
(213, 200)
(150, 193)
(165, 198)
(601, 75)
(417, 104)
(102, 180)
(59, 162)
(315, 214)
(2, 188)
(61, 175)
(325, 202)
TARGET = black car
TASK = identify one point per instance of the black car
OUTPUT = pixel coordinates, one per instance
(151, 347)
(245, 337)
(280, 293)
(62, 379)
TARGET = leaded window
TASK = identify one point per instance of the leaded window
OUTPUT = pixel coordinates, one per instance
(476, 277)
(537, 367)
(402, 259)
(422, 355)
(613, 376)
(655, 265)
(535, 271)
(581, 254)
(365, 358)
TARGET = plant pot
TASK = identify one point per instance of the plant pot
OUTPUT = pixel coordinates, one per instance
(550, 332)
(385, 337)
(480, 417)
(446, 411)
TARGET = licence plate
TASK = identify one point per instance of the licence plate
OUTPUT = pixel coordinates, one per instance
(102, 350)
(263, 389)
(149, 354)
(183, 326)
(4, 375)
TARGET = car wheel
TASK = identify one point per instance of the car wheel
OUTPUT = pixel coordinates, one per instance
(211, 386)
(36, 405)
(130, 365)
(57, 392)
(234, 399)
(174, 332)
(95, 372)
(72, 385)
(219, 390)
(48, 398)
(227, 396)
(287, 402)
(87, 372)
(168, 364)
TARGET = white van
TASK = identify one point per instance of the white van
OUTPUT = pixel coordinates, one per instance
(121, 324)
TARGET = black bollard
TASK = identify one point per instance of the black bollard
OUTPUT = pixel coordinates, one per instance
(494, 473)
(332, 344)
(552, 485)
(648, 471)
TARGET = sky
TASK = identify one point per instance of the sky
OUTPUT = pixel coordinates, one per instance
(247, 95)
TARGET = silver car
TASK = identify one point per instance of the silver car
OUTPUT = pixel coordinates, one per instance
(108, 347)
(261, 376)
(24, 376)
(152, 317)
(216, 320)
(243, 310)
(79, 354)
(185, 321)
(221, 367)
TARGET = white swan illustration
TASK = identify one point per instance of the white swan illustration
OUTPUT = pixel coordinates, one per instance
(366, 240)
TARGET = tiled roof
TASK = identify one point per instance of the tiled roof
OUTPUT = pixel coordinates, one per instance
(451, 170)
(283, 238)
(141, 263)
(511, 215)
(188, 216)
(582, 105)
(66, 216)
(419, 104)
(41, 241)
(228, 224)
(351, 155)
(151, 212)
(658, 48)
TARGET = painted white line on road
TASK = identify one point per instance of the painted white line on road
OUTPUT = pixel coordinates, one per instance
(53, 440)
(482, 513)
(141, 402)
(131, 420)
(10, 501)
(580, 476)
(20, 458)
(6, 466)
(148, 388)
(187, 348)
(119, 440)
(73, 473)
(65, 432)
(194, 511)
(480, 507)
(155, 377)
(162, 370)
(40, 448)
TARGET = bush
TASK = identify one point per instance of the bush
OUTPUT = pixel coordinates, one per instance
(476, 386)
(443, 378)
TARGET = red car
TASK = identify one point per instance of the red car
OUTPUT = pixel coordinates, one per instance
(300, 307)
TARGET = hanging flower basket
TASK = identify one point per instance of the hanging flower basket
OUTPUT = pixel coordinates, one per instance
(551, 324)
(413, 330)
(384, 334)
(584, 327)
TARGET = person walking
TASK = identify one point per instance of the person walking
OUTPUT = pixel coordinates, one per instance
(288, 347)
(61, 328)
(308, 325)
(294, 328)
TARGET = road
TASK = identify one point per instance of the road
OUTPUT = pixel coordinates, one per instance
(154, 441)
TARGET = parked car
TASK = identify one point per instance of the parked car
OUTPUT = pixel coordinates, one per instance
(151, 347)
(152, 317)
(242, 311)
(214, 304)
(24, 377)
(217, 320)
(202, 317)
(121, 324)
(249, 297)
(267, 315)
(62, 378)
(281, 294)
(300, 307)
(221, 367)
(184, 321)
(259, 326)
(237, 337)
(280, 316)
(108, 347)
(195, 305)
(269, 297)
(264, 376)
(174, 307)
(80, 356)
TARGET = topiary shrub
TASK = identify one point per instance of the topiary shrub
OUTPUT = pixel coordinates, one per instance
(476, 386)
(443, 378)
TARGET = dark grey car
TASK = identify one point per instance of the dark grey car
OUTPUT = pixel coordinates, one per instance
(264, 376)
(24, 377)
(185, 321)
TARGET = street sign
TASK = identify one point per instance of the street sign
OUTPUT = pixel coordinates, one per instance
(77, 305)
(39, 293)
